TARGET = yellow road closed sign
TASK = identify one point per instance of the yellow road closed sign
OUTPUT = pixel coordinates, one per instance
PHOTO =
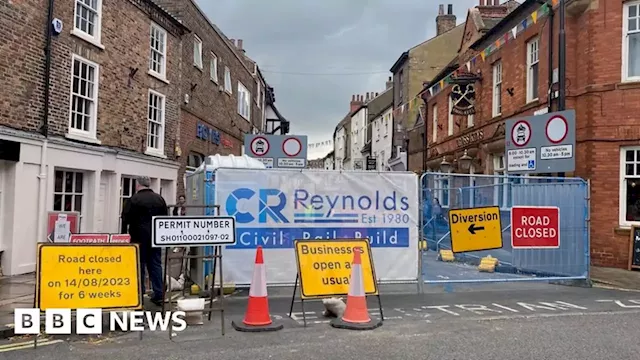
(475, 229)
(98, 276)
(325, 266)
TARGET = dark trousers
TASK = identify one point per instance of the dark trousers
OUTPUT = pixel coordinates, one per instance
(151, 259)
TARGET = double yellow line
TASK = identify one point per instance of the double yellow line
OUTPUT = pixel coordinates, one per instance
(27, 345)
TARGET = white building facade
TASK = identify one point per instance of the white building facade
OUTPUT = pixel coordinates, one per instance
(358, 137)
(381, 144)
(340, 148)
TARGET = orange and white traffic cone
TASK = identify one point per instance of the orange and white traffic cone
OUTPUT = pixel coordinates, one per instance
(356, 315)
(257, 318)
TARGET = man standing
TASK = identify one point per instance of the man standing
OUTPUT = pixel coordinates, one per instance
(137, 215)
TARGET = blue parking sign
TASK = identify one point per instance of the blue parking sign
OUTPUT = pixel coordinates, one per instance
(531, 164)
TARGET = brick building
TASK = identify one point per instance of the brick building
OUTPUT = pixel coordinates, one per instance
(110, 112)
(603, 81)
(223, 93)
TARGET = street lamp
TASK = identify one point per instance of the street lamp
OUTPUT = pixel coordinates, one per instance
(465, 161)
(445, 166)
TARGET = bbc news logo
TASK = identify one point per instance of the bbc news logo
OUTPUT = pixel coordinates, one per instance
(89, 321)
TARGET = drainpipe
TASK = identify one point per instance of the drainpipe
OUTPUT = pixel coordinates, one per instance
(562, 59)
(550, 91)
(42, 177)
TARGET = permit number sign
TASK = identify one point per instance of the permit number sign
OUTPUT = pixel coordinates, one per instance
(94, 276)
(535, 227)
(169, 231)
(325, 266)
(475, 229)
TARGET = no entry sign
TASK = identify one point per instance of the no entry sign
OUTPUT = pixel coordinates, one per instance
(535, 227)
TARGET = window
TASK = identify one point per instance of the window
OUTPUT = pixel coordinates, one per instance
(197, 52)
(435, 123)
(213, 68)
(377, 127)
(630, 186)
(227, 80)
(383, 162)
(155, 130)
(194, 161)
(631, 45)
(127, 189)
(450, 115)
(244, 101)
(68, 191)
(88, 18)
(401, 87)
(497, 88)
(157, 58)
(386, 124)
(258, 93)
(499, 182)
(533, 47)
(470, 120)
(84, 98)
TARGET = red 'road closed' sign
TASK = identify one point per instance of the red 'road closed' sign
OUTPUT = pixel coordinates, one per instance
(535, 227)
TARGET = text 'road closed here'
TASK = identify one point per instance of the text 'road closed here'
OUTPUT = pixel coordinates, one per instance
(475, 229)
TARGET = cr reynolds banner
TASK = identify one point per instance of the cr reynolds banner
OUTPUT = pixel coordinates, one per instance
(273, 208)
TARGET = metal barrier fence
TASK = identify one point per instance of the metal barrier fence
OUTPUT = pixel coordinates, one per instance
(444, 191)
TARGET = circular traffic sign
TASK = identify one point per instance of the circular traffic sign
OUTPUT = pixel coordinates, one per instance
(259, 146)
(557, 129)
(291, 146)
(521, 133)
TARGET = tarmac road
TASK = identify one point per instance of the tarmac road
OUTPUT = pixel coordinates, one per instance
(542, 322)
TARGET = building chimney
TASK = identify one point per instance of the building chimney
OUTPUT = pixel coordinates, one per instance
(482, 2)
(377, 94)
(356, 102)
(233, 41)
(446, 22)
(239, 46)
(389, 83)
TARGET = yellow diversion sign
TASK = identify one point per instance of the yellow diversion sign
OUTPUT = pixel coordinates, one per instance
(99, 276)
(475, 229)
(325, 266)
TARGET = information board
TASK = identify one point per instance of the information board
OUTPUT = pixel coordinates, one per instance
(168, 231)
(475, 229)
(324, 266)
(96, 276)
(634, 248)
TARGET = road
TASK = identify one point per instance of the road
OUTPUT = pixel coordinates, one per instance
(510, 322)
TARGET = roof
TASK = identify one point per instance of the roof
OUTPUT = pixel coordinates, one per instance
(380, 103)
(278, 114)
(177, 23)
(515, 11)
(401, 60)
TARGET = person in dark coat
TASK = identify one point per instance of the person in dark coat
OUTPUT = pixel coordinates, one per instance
(136, 220)
(180, 209)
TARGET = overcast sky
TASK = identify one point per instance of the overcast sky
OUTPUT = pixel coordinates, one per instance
(317, 53)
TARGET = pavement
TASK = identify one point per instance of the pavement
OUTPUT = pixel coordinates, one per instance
(510, 321)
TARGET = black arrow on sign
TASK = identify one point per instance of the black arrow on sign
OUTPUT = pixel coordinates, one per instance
(473, 228)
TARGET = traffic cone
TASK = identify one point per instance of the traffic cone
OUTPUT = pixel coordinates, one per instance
(257, 318)
(356, 315)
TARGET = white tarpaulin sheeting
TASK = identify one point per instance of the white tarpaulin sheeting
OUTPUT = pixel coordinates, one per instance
(275, 207)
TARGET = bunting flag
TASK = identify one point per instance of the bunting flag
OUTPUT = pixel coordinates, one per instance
(534, 17)
(320, 144)
(514, 31)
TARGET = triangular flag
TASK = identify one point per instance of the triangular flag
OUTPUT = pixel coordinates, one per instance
(514, 31)
(473, 61)
(497, 44)
(468, 64)
(545, 8)
(506, 38)
(534, 16)
(483, 54)
(554, 2)
(441, 84)
(524, 24)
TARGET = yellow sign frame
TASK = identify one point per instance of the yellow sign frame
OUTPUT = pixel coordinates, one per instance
(41, 246)
(304, 293)
(462, 239)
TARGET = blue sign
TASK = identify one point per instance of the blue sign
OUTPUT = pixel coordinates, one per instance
(275, 218)
(206, 133)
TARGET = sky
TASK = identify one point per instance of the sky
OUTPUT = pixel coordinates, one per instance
(317, 53)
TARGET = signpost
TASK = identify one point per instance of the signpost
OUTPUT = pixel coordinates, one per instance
(277, 151)
(89, 238)
(324, 269)
(475, 229)
(96, 276)
(169, 231)
(541, 144)
(535, 227)
(61, 224)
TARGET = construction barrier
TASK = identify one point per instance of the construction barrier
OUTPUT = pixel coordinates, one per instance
(274, 207)
(533, 228)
